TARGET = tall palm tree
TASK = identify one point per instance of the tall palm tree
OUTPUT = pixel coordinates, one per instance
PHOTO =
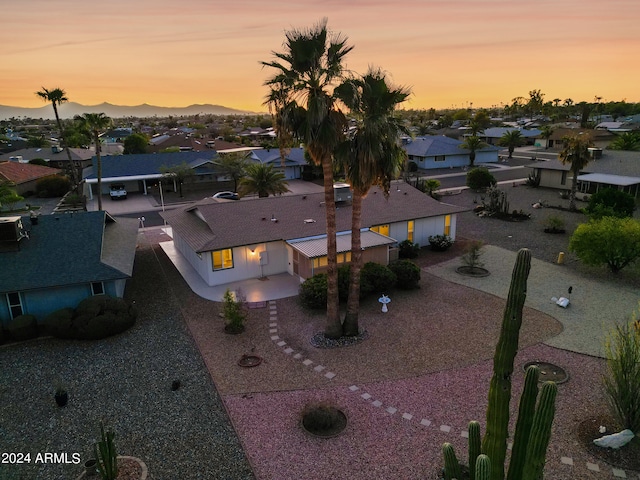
(575, 153)
(264, 180)
(94, 123)
(57, 97)
(371, 156)
(511, 140)
(310, 66)
(276, 101)
(473, 144)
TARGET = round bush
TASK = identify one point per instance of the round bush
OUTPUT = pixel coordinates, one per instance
(408, 249)
(313, 292)
(376, 278)
(102, 316)
(22, 327)
(610, 202)
(407, 273)
(479, 178)
(53, 186)
(59, 324)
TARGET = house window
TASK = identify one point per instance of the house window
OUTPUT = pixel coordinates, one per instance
(381, 229)
(447, 224)
(563, 180)
(410, 227)
(14, 300)
(322, 261)
(439, 158)
(222, 259)
(97, 288)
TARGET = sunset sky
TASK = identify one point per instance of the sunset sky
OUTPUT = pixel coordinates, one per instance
(451, 53)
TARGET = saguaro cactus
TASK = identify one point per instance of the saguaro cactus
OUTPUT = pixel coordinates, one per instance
(451, 465)
(483, 468)
(494, 443)
(540, 433)
(474, 447)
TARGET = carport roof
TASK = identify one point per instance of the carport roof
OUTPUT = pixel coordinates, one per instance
(317, 247)
(618, 180)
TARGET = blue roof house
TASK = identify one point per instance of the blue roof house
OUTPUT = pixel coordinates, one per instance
(56, 261)
(139, 171)
(294, 160)
(438, 151)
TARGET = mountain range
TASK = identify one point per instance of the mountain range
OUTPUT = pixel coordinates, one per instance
(70, 109)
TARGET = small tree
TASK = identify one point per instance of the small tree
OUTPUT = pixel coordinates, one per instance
(610, 202)
(135, 143)
(264, 180)
(178, 173)
(511, 140)
(622, 379)
(611, 241)
(8, 196)
(473, 144)
(479, 178)
(575, 153)
(472, 256)
(234, 166)
(233, 312)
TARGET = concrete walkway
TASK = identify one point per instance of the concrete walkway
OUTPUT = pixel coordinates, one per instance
(595, 305)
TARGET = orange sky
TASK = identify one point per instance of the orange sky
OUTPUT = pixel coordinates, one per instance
(452, 53)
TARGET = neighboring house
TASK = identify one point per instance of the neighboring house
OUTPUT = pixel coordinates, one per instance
(493, 135)
(25, 175)
(56, 261)
(438, 151)
(56, 157)
(116, 135)
(232, 241)
(600, 138)
(294, 160)
(187, 142)
(140, 171)
(617, 169)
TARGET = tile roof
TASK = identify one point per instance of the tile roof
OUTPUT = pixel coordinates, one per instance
(18, 173)
(70, 249)
(209, 225)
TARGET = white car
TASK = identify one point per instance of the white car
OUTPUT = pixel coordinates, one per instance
(227, 195)
(117, 191)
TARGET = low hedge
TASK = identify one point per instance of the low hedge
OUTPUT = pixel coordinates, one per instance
(22, 327)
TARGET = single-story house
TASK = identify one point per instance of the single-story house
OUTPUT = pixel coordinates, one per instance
(25, 175)
(617, 169)
(139, 171)
(233, 241)
(56, 157)
(294, 160)
(493, 135)
(600, 138)
(56, 261)
(438, 151)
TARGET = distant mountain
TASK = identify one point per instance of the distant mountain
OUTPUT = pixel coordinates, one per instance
(70, 109)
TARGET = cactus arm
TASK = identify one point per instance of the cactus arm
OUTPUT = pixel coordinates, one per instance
(474, 447)
(451, 464)
(526, 413)
(483, 468)
(540, 432)
(494, 443)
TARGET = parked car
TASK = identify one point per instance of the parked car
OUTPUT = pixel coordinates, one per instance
(227, 195)
(117, 191)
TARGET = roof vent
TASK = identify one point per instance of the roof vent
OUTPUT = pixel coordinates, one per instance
(309, 220)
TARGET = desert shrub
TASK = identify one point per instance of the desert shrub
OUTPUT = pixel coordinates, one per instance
(407, 273)
(610, 202)
(408, 249)
(553, 223)
(472, 255)
(313, 292)
(59, 323)
(479, 178)
(440, 243)
(376, 278)
(622, 378)
(22, 327)
(102, 316)
(233, 312)
(53, 186)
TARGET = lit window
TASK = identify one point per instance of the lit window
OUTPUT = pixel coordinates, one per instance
(410, 226)
(14, 301)
(97, 288)
(447, 225)
(222, 259)
(381, 229)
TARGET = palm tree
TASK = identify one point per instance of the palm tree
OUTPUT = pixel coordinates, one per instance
(311, 64)
(575, 152)
(372, 156)
(264, 180)
(473, 144)
(233, 165)
(545, 132)
(626, 141)
(276, 101)
(94, 123)
(57, 97)
(511, 139)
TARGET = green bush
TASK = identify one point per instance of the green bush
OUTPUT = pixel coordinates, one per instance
(58, 324)
(234, 314)
(102, 316)
(407, 273)
(622, 378)
(22, 327)
(313, 292)
(610, 202)
(53, 186)
(479, 178)
(408, 249)
(376, 278)
(440, 243)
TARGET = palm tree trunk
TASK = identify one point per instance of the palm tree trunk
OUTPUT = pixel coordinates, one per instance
(350, 326)
(74, 173)
(574, 187)
(99, 161)
(334, 326)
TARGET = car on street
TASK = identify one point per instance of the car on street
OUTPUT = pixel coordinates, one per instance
(227, 195)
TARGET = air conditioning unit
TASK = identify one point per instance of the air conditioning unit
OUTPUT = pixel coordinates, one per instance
(11, 229)
(342, 192)
(56, 149)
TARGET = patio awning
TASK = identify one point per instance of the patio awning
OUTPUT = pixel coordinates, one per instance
(317, 247)
(618, 180)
